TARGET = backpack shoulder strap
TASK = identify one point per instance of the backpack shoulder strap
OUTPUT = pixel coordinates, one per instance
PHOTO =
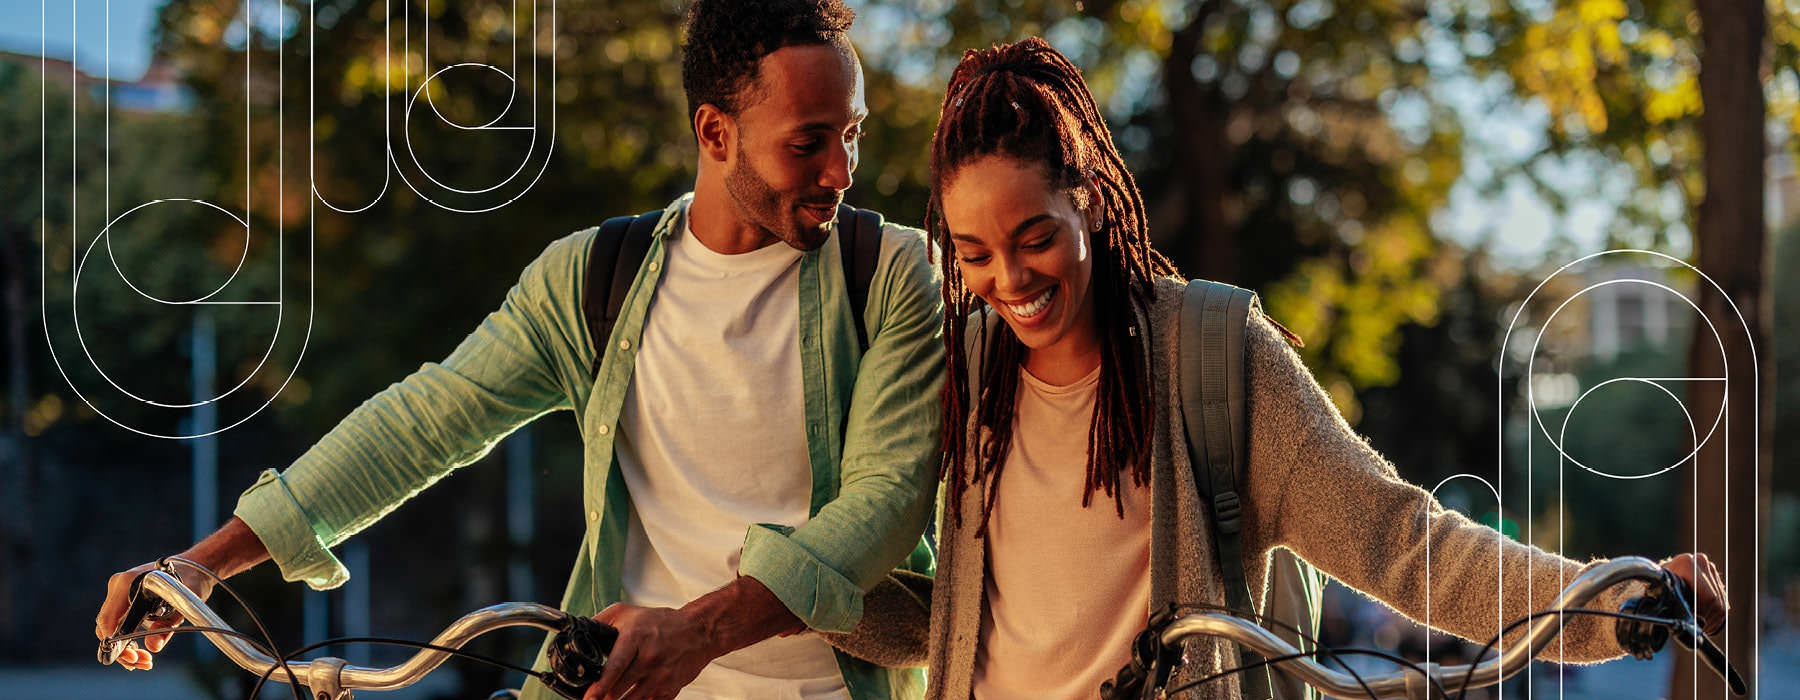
(859, 243)
(613, 259)
(1213, 320)
(1212, 325)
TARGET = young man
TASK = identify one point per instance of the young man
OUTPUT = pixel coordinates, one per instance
(750, 470)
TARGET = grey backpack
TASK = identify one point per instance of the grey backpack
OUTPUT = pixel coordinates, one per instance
(1214, 320)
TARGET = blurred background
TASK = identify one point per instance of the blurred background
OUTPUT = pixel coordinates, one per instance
(290, 205)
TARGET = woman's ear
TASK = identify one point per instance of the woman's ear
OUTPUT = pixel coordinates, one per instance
(1094, 214)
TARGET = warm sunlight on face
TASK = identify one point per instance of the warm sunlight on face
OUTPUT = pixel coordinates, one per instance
(1023, 248)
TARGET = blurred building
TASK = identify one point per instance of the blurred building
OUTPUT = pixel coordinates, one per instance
(158, 90)
(1784, 190)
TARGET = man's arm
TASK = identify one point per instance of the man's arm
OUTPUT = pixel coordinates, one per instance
(515, 366)
(821, 569)
(512, 368)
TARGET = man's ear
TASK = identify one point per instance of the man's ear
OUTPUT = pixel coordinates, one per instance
(716, 131)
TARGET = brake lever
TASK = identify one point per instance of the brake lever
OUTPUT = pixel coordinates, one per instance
(143, 607)
(1151, 663)
(1668, 599)
(577, 655)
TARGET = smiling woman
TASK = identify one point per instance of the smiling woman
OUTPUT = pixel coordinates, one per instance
(1059, 317)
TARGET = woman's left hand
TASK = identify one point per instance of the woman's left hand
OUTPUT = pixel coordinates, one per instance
(1710, 604)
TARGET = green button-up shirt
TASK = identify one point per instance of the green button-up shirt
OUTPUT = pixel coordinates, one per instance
(872, 422)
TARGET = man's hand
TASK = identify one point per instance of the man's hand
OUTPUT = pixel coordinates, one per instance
(227, 552)
(1710, 603)
(118, 598)
(660, 651)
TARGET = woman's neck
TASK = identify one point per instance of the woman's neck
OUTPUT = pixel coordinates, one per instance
(1065, 362)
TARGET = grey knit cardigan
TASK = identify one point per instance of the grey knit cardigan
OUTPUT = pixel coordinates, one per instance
(1314, 487)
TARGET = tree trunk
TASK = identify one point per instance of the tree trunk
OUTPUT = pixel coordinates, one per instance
(1203, 160)
(1732, 486)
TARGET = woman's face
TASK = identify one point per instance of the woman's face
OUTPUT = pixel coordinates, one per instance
(1023, 247)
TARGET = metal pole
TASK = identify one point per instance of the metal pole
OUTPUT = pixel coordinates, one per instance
(205, 450)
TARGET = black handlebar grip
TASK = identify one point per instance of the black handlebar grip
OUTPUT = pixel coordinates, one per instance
(142, 606)
(577, 655)
(1670, 600)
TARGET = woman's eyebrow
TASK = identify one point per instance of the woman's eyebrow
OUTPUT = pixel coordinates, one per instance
(1017, 230)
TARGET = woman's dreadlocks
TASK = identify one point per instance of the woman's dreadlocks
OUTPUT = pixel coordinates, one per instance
(1026, 101)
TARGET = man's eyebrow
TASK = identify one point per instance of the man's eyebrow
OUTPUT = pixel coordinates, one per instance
(1017, 230)
(822, 125)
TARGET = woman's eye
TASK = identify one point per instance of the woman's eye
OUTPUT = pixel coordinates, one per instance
(974, 259)
(1040, 243)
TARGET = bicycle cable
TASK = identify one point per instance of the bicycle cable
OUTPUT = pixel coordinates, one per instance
(283, 659)
(1463, 686)
(1289, 657)
(266, 675)
(1261, 619)
(293, 681)
(1463, 689)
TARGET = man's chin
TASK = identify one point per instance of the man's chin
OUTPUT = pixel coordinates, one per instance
(806, 236)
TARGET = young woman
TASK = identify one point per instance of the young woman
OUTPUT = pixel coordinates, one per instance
(1069, 510)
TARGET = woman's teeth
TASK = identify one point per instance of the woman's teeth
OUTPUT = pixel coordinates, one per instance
(1035, 306)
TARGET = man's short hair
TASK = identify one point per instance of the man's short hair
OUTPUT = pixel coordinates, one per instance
(727, 39)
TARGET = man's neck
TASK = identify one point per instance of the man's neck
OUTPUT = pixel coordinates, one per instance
(716, 224)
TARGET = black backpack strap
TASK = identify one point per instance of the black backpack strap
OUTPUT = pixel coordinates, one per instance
(613, 259)
(1213, 324)
(859, 242)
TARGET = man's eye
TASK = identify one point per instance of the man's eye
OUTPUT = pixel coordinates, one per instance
(805, 147)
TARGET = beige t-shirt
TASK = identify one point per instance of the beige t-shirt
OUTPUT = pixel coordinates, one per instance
(1067, 587)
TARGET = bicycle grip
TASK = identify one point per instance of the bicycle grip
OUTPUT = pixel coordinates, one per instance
(142, 606)
(577, 655)
(1670, 599)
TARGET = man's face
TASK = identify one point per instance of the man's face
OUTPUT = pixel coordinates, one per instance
(796, 143)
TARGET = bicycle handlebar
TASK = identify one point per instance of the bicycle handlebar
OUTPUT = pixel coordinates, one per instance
(580, 648)
(1407, 683)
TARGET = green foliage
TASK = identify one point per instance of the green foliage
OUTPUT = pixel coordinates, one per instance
(1262, 138)
(1620, 79)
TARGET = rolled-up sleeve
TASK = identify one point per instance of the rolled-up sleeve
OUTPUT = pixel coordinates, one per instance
(821, 569)
(513, 368)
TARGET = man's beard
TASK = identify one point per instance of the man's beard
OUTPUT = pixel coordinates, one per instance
(776, 214)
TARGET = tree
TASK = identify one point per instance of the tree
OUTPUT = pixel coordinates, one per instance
(1731, 242)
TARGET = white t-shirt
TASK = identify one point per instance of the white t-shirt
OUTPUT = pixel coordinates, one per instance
(712, 441)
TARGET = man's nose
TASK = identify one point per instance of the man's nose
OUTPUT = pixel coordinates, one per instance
(839, 166)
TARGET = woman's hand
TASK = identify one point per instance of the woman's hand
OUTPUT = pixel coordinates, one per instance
(1710, 604)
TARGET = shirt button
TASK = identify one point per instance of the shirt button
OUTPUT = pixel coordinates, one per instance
(593, 516)
(605, 429)
(654, 265)
(624, 345)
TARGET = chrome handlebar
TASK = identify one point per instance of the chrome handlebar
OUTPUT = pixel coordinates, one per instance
(327, 677)
(1409, 683)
